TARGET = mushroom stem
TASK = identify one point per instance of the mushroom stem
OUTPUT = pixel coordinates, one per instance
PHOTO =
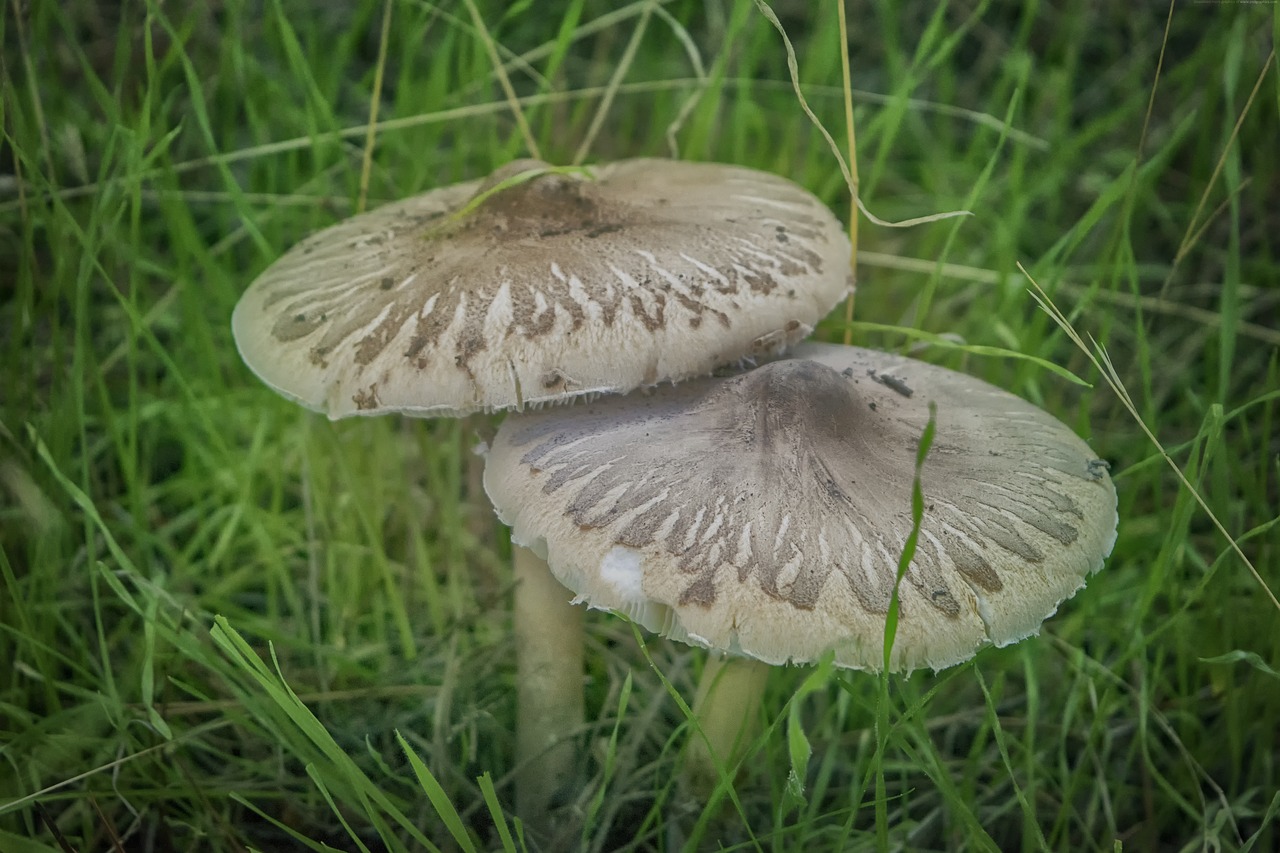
(549, 665)
(727, 710)
(478, 512)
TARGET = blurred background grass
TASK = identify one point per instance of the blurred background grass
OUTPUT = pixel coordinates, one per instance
(158, 156)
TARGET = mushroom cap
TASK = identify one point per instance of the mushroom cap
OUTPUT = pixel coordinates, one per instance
(545, 290)
(765, 514)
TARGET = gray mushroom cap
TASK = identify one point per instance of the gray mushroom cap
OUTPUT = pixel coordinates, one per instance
(765, 514)
(549, 289)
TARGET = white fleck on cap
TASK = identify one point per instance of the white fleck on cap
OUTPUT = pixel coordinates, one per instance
(765, 514)
(544, 290)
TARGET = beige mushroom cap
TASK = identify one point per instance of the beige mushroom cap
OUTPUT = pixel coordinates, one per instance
(765, 514)
(549, 289)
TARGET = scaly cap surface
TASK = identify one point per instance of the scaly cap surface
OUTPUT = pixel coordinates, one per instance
(547, 289)
(765, 514)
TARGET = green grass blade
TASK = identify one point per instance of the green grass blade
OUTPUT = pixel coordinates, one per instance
(485, 781)
(318, 779)
(439, 799)
(610, 756)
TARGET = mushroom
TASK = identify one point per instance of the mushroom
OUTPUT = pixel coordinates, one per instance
(518, 291)
(538, 285)
(763, 515)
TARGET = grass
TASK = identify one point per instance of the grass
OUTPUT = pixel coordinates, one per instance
(230, 625)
